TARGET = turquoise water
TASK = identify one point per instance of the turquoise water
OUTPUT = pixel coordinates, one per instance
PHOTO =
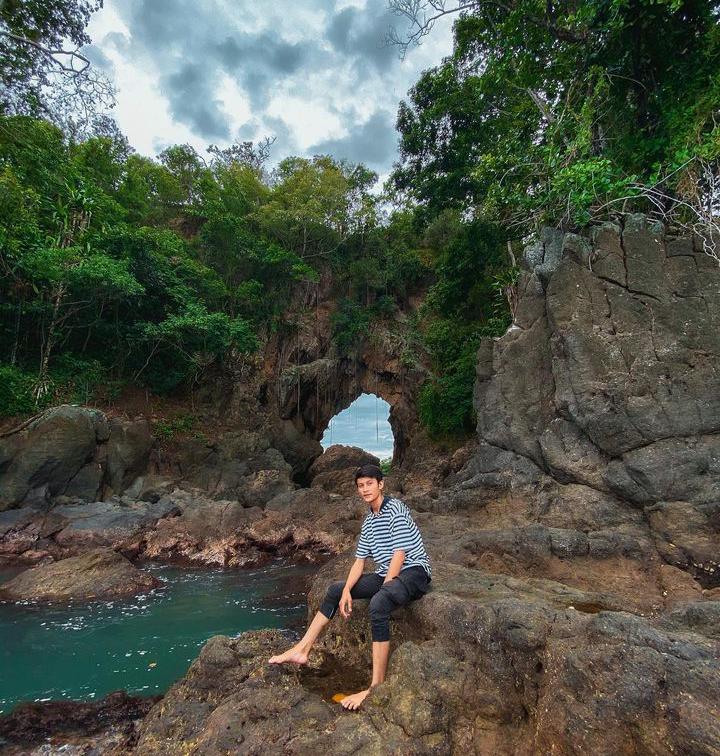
(142, 644)
(365, 424)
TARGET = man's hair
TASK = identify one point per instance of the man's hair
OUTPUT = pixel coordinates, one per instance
(368, 471)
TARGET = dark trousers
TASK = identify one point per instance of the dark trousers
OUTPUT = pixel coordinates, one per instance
(410, 584)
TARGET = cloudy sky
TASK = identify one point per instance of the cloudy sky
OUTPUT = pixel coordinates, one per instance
(316, 74)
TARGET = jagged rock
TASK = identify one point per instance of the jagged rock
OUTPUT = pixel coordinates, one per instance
(239, 466)
(306, 524)
(71, 451)
(187, 527)
(610, 381)
(28, 535)
(334, 470)
(99, 573)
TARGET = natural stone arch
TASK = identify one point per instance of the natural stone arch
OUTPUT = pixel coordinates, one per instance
(310, 395)
(364, 424)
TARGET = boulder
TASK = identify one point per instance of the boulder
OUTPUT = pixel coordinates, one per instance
(99, 573)
(334, 470)
(71, 451)
(42, 459)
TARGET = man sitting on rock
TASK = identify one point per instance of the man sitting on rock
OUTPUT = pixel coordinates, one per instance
(392, 539)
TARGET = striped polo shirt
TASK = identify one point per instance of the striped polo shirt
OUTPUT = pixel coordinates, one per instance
(392, 528)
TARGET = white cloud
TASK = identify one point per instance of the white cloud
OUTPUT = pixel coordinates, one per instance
(313, 73)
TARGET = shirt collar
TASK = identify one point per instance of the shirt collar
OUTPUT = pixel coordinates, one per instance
(382, 504)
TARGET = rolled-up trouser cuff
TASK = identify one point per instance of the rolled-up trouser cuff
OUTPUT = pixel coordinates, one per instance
(380, 630)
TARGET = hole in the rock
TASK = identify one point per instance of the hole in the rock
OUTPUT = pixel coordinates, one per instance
(589, 607)
(365, 424)
(333, 676)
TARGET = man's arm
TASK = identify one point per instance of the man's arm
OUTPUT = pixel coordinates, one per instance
(396, 564)
(354, 575)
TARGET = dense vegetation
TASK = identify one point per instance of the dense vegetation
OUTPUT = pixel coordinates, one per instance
(551, 113)
(561, 112)
(118, 269)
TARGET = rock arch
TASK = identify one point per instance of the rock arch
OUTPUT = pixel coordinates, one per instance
(310, 395)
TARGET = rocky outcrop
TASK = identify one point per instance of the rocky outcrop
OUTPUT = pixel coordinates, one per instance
(186, 527)
(308, 524)
(98, 573)
(73, 727)
(29, 535)
(334, 470)
(608, 384)
(482, 664)
(240, 465)
(72, 451)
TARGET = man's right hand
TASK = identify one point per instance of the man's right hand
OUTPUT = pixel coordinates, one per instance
(346, 605)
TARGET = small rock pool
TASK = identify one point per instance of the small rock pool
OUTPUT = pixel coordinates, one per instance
(142, 644)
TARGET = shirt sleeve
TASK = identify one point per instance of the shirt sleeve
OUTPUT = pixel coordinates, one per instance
(363, 547)
(404, 533)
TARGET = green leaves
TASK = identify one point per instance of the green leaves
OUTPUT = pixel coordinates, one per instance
(549, 113)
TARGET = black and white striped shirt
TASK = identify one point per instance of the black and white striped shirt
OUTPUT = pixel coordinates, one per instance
(392, 528)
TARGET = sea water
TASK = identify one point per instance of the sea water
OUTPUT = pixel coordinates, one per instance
(141, 644)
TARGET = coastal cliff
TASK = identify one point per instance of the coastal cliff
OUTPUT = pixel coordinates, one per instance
(575, 603)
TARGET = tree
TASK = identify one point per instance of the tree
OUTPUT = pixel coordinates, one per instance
(42, 69)
(317, 203)
(557, 112)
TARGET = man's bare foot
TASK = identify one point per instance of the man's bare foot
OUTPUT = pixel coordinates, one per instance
(293, 655)
(355, 700)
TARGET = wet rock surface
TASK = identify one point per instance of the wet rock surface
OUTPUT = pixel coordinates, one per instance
(98, 573)
(73, 727)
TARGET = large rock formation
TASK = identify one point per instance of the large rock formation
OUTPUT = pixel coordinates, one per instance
(72, 451)
(605, 394)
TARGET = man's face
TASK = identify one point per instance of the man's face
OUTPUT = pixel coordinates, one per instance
(369, 488)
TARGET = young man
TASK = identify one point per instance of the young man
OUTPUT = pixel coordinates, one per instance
(390, 536)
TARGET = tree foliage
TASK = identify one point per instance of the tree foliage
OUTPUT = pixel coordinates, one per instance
(133, 270)
(547, 112)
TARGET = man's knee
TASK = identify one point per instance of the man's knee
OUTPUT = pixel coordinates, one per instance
(381, 604)
(334, 592)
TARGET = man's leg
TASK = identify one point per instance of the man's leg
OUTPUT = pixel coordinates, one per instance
(366, 587)
(382, 604)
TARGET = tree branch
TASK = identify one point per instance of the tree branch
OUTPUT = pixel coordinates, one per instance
(50, 53)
